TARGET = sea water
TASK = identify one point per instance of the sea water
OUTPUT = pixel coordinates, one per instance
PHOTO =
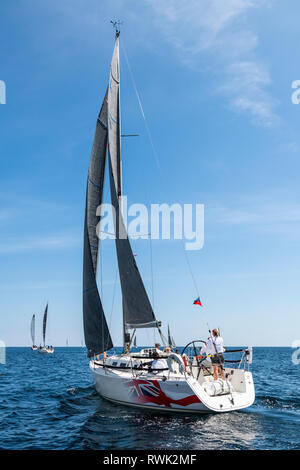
(49, 402)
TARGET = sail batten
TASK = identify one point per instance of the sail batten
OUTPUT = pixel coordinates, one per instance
(96, 332)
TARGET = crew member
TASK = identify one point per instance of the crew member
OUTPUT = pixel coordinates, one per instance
(215, 348)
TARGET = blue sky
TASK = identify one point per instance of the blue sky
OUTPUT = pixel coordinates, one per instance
(215, 82)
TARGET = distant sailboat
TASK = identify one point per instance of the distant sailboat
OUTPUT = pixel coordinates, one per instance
(170, 339)
(133, 379)
(32, 331)
(44, 349)
(67, 343)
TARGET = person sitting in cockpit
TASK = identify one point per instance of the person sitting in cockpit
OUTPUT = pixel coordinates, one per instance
(157, 349)
(159, 362)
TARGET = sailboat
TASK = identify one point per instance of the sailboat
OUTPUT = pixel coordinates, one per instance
(44, 348)
(183, 384)
(171, 341)
(32, 332)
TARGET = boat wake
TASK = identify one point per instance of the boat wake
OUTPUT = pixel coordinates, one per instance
(268, 401)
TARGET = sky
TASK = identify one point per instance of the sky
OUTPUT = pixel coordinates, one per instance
(215, 82)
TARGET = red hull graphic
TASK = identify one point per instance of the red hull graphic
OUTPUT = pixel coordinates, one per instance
(149, 391)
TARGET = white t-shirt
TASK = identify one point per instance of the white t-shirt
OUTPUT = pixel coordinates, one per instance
(159, 364)
(219, 343)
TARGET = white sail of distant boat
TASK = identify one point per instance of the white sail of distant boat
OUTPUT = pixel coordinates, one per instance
(32, 332)
(44, 348)
(180, 382)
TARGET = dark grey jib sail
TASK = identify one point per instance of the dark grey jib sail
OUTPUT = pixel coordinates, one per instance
(32, 330)
(45, 323)
(96, 333)
(137, 309)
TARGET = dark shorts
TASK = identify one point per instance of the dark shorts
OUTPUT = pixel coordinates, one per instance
(218, 359)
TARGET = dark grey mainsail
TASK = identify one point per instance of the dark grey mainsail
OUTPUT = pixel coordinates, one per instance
(45, 323)
(32, 330)
(96, 333)
(137, 309)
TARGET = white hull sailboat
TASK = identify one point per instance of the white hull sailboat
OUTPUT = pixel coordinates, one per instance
(185, 383)
(45, 349)
(176, 389)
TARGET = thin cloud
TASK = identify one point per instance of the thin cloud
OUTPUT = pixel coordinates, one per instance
(210, 32)
(280, 219)
(41, 243)
(194, 27)
(245, 85)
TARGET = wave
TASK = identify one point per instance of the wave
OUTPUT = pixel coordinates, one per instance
(269, 401)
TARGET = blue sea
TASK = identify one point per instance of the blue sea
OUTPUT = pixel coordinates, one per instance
(49, 402)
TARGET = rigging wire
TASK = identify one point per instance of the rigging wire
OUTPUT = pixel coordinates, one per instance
(113, 301)
(101, 270)
(156, 159)
(142, 110)
(151, 268)
(154, 153)
(191, 270)
(100, 251)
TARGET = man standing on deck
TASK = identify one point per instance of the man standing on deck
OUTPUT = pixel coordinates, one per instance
(215, 348)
